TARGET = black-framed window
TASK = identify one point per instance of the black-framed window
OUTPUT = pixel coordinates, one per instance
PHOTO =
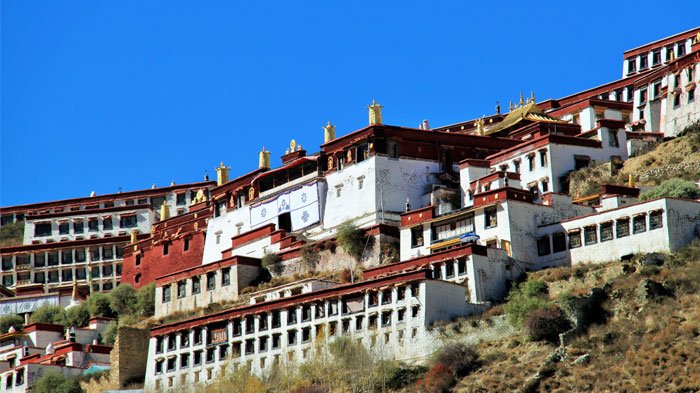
(166, 294)
(558, 242)
(39, 259)
(128, 221)
(622, 228)
(225, 276)
(606, 231)
(574, 239)
(211, 281)
(639, 223)
(543, 247)
(590, 235)
(80, 255)
(42, 229)
(53, 258)
(66, 257)
(181, 289)
(196, 285)
(490, 217)
(181, 199)
(107, 253)
(63, 228)
(107, 224)
(93, 225)
(656, 220)
(78, 227)
(417, 236)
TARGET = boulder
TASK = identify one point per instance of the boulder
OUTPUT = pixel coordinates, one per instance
(652, 259)
(650, 290)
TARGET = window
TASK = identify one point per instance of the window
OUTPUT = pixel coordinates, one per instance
(642, 96)
(166, 248)
(63, 228)
(225, 276)
(417, 236)
(639, 223)
(93, 225)
(590, 235)
(137, 260)
(606, 231)
(532, 187)
(392, 149)
(184, 360)
(181, 289)
(78, 227)
(107, 224)
(656, 57)
(291, 316)
(128, 221)
(656, 89)
(631, 65)
(80, 273)
(543, 158)
(107, 253)
(490, 220)
(217, 209)
(575, 239)
(42, 229)
(531, 162)
(581, 161)
(159, 366)
(196, 285)
(543, 246)
(211, 281)
(291, 337)
(644, 63)
(612, 138)
(545, 185)
(66, 275)
(66, 257)
(656, 219)
(691, 95)
(676, 100)
(120, 251)
(186, 245)
(669, 51)
(681, 49)
(516, 166)
(558, 242)
(39, 260)
(197, 358)
(166, 294)
(107, 270)
(181, 199)
(95, 254)
(95, 272)
(622, 228)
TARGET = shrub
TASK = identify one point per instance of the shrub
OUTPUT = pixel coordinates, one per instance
(271, 262)
(390, 253)
(49, 314)
(98, 304)
(438, 379)
(109, 335)
(12, 234)
(54, 382)
(675, 188)
(352, 240)
(146, 296)
(313, 388)
(123, 300)
(309, 257)
(546, 325)
(128, 320)
(459, 357)
(78, 315)
(524, 299)
(7, 321)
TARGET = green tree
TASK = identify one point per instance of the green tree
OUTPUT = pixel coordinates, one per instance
(524, 299)
(147, 300)
(352, 240)
(78, 316)
(674, 188)
(98, 304)
(123, 300)
(54, 382)
(109, 335)
(49, 314)
(6, 321)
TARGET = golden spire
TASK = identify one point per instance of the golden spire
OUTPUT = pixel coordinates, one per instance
(532, 96)
(522, 100)
(222, 174)
(328, 132)
(510, 106)
(375, 113)
(264, 159)
(164, 211)
(630, 181)
(134, 232)
(480, 126)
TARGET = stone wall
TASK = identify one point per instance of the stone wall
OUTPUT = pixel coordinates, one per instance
(127, 362)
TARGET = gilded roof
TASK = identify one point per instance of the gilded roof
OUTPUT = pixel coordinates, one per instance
(529, 111)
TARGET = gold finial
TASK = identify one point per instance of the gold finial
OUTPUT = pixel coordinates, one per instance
(134, 232)
(630, 181)
(264, 160)
(172, 183)
(153, 186)
(510, 106)
(480, 126)
(375, 113)
(522, 100)
(328, 132)
(200, 197)
(299, 148)
(292, 146)
(532, 96)
(164, 211)
(222, 174)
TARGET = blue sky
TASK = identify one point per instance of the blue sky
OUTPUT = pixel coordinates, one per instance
(102, 95)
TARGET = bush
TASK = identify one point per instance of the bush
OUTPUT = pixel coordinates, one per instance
(49, 314)
(54, 382)
(459, 357)
(146, 296)
(12, 234)
(7, 321)
(313, 388)
(546, 325)
(675, 188)
(109, 335)
(525, 298)
(98, 304)
(310, 257)
(438, 379)
(123, 300)
(271, 262)
(78, 315)
(352, 240)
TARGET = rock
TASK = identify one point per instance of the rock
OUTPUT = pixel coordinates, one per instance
(649, 290)
(582, 359)
(628, 269)
(652, 259)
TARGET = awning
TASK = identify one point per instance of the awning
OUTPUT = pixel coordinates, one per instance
(96, 368)
(446, 243)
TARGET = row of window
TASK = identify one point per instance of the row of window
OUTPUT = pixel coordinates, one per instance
(63, 257)
(65, 275)
(655, 57)
(594, 234)
(46, 228)
(196, 287)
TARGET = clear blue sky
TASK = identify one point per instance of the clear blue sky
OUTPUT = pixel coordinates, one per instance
(98, 95)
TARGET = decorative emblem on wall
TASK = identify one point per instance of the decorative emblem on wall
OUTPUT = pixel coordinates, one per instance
(305, 216)
(330, 163)
(251, 193)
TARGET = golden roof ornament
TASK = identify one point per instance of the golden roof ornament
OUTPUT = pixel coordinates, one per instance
(222, 174)
(292, 146)
(480, 126)
(299, 148)
(328, 132)
(375, 113)
(264, 159)
(532, 96)
(522, 100)
(510, 106)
